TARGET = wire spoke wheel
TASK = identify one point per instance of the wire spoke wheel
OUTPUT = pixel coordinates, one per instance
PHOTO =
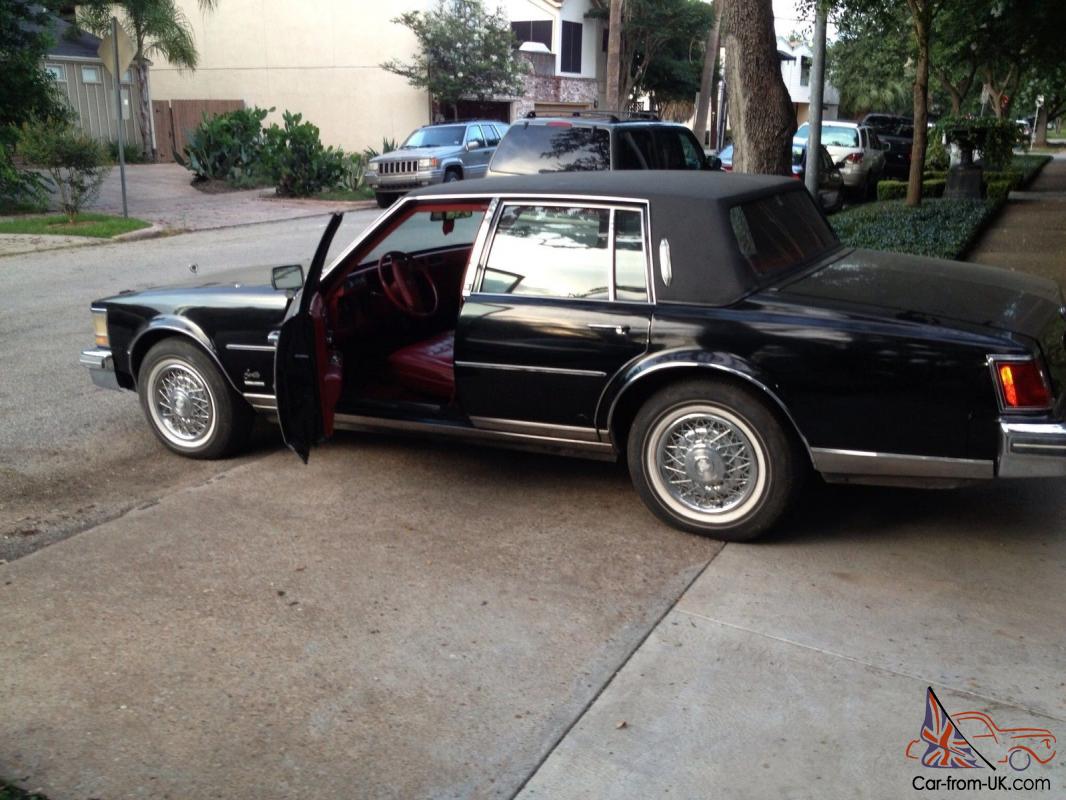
(181, 403)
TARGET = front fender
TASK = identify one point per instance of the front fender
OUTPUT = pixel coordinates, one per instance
(164, 325)
(686, 361)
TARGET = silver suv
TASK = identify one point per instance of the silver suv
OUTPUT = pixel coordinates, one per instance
(439, 153)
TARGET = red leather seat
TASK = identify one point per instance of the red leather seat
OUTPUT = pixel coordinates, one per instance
(427, 367)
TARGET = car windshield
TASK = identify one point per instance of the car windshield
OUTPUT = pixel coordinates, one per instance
(833, 136)
(554, 147)
(779, 232)
(437, 136)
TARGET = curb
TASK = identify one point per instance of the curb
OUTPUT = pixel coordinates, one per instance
(152, 232)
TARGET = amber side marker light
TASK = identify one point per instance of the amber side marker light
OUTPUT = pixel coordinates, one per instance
(100, 328)
(1023, 386)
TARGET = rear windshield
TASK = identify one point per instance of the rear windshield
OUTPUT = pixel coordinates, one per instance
(833, 136)
(437, 136)
(530, 149)
(781, 231)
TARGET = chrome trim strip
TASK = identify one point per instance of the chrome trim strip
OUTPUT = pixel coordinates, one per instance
(96, 358)
(257, 348)
(898, 465)
(255, 383)
(537, 428)
(1032, 449)
(261, 402)
(478, 252)
(589, 373)
(562, 446)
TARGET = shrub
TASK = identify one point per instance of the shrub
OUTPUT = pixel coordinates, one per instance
(227, 146)
(936, 154)
(387, 146)
(20, 190)
(938, 227)
(75, 163)
(897, 190)
(1029, 166)
(132, 153)
(1009, 176)
(997, 191)
(994, 138)
(354, 177)
(297, 161)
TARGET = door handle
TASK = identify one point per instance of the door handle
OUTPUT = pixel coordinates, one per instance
(618, 330)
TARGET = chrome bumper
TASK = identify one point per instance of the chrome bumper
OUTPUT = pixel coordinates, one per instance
(404, 181)
(101, 367)
(1032, 450)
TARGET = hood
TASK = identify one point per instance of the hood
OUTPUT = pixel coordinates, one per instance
(241, 282)
(405, 153)
(939, 291)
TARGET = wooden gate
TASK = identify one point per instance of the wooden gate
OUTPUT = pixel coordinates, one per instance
(175, 119)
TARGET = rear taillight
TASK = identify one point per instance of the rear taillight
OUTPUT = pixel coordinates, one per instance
(854, 158)
(1022, 385)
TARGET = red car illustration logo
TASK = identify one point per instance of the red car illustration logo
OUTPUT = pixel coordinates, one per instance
(1017, 747)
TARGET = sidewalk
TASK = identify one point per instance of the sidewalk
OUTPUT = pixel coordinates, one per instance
(797, 668)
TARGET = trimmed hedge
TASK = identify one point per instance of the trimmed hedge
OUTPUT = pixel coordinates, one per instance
(897, 190)
(938, 227)
(997, 191)
(1029, 166)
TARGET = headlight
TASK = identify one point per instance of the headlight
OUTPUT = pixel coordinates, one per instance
(372, 168)
(100, 327)
(428, 163)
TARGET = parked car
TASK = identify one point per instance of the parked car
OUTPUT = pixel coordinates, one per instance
(592, 141)
(709, 329)
(896, 133)
(855, 149)
(439, 153)
(830, 181)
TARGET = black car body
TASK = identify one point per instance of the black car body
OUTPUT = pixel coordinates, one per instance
(897, 134)
(590, 141)
(707, 327)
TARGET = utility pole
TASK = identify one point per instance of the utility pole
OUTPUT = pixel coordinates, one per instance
(814, 118)
(118, 111)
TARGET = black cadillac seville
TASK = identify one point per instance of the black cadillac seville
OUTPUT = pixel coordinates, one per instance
(708, 328)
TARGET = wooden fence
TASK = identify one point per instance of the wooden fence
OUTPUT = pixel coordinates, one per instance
(175, 119)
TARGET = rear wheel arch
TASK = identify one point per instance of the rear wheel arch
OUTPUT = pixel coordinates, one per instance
(636, 393)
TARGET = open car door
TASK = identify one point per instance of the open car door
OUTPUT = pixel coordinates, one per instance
(307, 374)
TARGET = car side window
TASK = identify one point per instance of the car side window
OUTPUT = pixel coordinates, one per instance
(492, 138)
(550, 251)
(630, 264)
(676, 151)
(474, 134)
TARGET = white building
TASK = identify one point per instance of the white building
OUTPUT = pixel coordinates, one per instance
(796, 60)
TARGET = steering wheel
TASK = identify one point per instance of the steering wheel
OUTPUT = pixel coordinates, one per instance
(398, 273)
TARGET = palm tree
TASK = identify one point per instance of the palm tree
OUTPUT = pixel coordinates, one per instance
(157, 27)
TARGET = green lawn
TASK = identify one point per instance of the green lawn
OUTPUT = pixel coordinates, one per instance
(365, 193)
(938, 227)
(100, 226)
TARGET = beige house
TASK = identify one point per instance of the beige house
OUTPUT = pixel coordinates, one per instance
(323, 58)
(89, 88)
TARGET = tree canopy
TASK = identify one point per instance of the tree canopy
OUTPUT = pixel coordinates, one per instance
(26, 90)
(464, 52)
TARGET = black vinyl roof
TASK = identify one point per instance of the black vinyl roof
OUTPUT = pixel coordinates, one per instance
(689, 209)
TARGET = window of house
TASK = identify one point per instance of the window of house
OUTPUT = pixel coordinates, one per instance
(533, 31)
(571, 47)
(90, 75)
(57, 71)
(805, 71)
(550, 251)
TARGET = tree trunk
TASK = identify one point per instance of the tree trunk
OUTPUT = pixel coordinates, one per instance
(710, 59)
(614, 55)
(760, 108)
(1040, 127)
(140, 69)
(921, 14)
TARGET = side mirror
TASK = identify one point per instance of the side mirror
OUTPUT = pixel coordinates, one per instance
(473, 144)
(713, 162)
(290, 276)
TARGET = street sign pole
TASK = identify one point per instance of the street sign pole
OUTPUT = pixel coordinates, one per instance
(814, 118)
(117, 75)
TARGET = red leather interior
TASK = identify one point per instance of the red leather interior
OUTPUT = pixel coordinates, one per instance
(427, 367)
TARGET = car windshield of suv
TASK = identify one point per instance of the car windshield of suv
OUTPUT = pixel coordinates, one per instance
(554, 147)
(833, 136)
(437, 136)
(776, 233)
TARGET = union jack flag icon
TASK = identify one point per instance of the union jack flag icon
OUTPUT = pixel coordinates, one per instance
(946, 747)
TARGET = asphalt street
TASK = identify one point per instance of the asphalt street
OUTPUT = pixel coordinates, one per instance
(71, 454)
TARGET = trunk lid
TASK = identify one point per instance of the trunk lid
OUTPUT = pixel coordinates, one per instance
(940, 292)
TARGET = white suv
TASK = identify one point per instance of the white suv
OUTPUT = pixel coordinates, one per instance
(855, 149)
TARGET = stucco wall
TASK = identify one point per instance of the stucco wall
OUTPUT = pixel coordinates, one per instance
(319, 57)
